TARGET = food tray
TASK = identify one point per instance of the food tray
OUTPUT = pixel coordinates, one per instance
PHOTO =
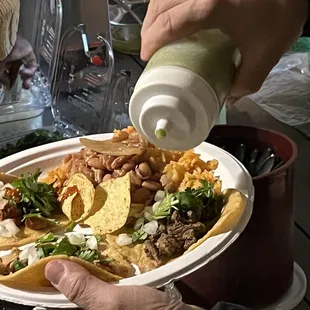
(232, 173)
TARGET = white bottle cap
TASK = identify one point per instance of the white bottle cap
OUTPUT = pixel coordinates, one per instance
(173, 108)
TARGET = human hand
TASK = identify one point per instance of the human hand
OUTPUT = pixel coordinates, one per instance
(90, 293)
(22, 54)
(263, 30)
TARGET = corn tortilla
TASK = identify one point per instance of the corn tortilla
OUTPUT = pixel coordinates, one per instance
(27, 235)
(7, 178)
(112, 206)
(78, 206)
(135, 253)
(235, 203)
(32, 278)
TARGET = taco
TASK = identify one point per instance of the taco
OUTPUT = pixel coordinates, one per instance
(177, 224)
(28, 210)
(16, 266)
(77, 197)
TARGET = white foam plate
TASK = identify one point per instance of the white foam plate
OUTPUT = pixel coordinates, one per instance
(232, 173)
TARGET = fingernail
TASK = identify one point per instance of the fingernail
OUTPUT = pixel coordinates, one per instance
(54, 271)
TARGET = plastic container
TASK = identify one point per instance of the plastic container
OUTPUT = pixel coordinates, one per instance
(179, 96)
(258, 268)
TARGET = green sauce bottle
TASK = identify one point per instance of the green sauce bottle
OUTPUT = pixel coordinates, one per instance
(179, 96)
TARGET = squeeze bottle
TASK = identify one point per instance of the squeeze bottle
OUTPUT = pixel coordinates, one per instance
(179, 96)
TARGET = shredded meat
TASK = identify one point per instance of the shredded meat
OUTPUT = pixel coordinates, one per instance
(9, 210)
(178, 236)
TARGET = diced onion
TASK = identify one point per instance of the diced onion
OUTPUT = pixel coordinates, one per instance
(92, 243)
(151, 227)
(123, 239)
(160, 195)
(155, 206)
(29, 253)
(83, 230)
(148, 211)
(76, 239)
(139, 223)
(8, 228)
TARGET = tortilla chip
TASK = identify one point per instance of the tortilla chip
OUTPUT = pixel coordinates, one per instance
(112, 204)
(27, 235)
(32, 278)
(235, 203)
(135, 253)
(78, 206)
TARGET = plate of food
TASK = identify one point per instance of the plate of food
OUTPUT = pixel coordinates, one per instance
(129, 212)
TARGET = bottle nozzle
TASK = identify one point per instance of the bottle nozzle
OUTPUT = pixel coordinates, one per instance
(161, 129)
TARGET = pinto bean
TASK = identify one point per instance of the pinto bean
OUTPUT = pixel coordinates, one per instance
(87, 172)
(99, 174)
(96, 162)
(143, 171)
(107, 177)
(134, 179)
(151, 185)
(141, 195)
(128, 167)
(67, 158)
(109, 162)
(119, 161)
(118, 173)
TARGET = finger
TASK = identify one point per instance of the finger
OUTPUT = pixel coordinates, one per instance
(254, 69)
(176, 23)
(30, 61)
(81, 288)
(13, 72)
(155, 8)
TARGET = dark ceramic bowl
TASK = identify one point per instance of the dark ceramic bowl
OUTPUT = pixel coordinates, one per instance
(258, 268)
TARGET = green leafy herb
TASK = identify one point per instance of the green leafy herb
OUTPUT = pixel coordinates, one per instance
(18, 265)
(36, 197)
(45, 250)
(88, 255)
(165, 207)
(190, 199)
(47, 238)
(139, 235)
(64, 247)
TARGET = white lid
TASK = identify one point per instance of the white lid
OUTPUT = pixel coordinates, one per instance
(175, 103)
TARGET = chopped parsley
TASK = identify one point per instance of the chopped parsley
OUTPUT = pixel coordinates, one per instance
(37, 198)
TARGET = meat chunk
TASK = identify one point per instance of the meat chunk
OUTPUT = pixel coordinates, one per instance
(178, 236)
(37, 223)
(9, 210)
(168, 245)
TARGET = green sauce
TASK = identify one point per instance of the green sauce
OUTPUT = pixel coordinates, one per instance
(208, 53)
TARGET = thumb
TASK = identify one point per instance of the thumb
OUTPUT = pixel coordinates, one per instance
(81, 288)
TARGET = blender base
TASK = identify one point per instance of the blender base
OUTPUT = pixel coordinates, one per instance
(294, 295)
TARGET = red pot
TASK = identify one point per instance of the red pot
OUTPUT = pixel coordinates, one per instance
(258, 268)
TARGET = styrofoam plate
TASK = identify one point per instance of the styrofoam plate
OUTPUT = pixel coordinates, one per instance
(231, 172)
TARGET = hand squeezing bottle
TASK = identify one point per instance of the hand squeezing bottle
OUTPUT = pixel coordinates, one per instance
(179, 96)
